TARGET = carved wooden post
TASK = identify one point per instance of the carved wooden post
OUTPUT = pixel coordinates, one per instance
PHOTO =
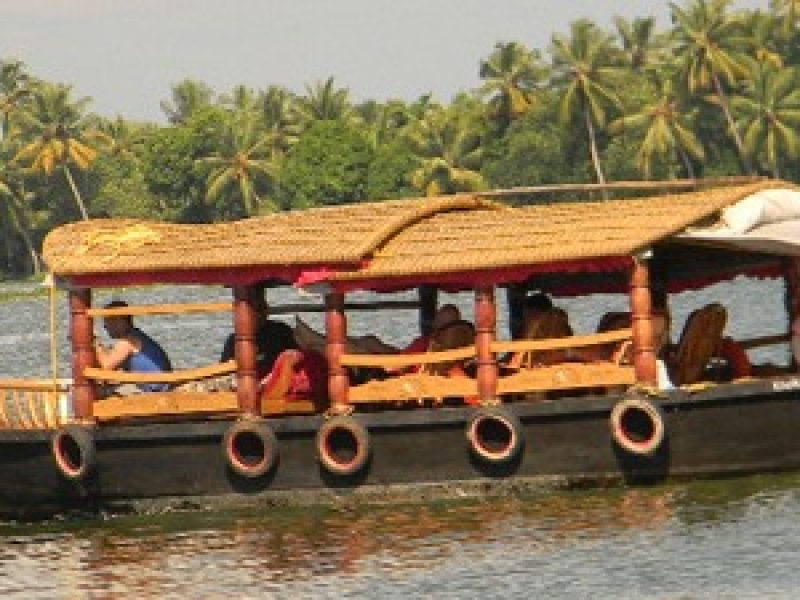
(336, 330)
(428, 298)
(245, 323)
(84, 391)
(644, 356)
(791, 274)
(485, 320)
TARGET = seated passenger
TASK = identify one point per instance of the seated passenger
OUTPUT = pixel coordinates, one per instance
(447, 314)
(543, 321)
(133, 350)
(272, 338)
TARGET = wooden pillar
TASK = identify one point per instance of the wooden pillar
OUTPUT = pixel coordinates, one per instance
(791, 274)
(245, 323)
(336, 331)
(81, 333)
(485, 323)
(644, 356)
(428, 300)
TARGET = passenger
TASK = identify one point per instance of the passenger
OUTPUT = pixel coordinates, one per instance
(447, 314)
(272, 338)
(133, 350)
(536, 305)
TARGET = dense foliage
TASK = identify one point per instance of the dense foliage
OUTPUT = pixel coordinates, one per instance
(716, 94)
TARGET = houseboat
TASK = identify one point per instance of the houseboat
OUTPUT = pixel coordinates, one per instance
(338, 416)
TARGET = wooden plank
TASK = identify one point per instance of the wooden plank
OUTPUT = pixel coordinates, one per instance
(284, 309)
(414, 386)
(766, 340)
(574, 341)
(35, 384)
(566, 376)
(407, 360)
(284, 406)
(166, 377)
(164, 403)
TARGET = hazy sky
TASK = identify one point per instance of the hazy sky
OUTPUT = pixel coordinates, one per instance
(126, 54)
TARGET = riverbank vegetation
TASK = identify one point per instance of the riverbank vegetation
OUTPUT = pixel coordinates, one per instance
(715, 94)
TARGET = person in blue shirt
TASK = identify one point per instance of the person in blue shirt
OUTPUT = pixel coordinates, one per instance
(133, 350)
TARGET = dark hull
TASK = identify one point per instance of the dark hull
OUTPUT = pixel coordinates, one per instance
(729, 429)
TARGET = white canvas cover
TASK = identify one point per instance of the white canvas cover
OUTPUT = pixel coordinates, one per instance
(767, 222)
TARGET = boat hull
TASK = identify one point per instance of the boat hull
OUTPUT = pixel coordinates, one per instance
(728, 429)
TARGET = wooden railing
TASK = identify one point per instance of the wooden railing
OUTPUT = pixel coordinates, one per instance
(170, 377)
(34, 403)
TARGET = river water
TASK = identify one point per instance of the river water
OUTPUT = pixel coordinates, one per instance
(734, 538)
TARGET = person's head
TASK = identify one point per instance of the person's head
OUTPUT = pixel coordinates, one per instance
(447, 313)
(117, 326)
(537, 302)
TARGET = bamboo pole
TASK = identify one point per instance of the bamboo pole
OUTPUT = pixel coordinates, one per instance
(624, 186)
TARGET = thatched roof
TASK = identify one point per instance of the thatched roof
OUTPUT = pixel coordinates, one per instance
(390, 239)
(322, 236)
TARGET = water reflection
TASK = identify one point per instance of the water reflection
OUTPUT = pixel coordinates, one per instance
(371, 550)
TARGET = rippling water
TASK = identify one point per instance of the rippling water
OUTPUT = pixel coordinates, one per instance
(736, 538)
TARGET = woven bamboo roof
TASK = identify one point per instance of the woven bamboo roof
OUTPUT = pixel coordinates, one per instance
(545, 233)
(390, 239)
(322, 236)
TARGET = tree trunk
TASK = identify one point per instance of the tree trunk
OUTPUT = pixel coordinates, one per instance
(593, 146)
(24, 231)
(686, 163)
(76, 193)
(723, 102)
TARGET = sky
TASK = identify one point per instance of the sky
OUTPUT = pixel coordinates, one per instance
(127, 54)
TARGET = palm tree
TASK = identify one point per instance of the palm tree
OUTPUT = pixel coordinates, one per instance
(667, 129)
(788, 10)
(324, 102)
(512, 73)
(585, 66)
(763, 38)
(60, 135)
(281, 121)
(13, 198)
(708, 48)
(241, 163)
(14, 82)
(188, 97)
(769, 110)
(448, 145)
(383, 121)
(639, 42)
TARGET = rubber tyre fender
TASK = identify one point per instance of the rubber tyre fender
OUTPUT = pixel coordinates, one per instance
(250, 448)
(343, 445)
(74, 452)
(494, 435)
(637, 426)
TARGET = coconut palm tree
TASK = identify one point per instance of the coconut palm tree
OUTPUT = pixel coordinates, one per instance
(383, 121)
(324, 102)
(511, 75)
(13, 199)
(640, 44)
(769, 109)
(708, 47)
(585, 67)
(788, 11)
(448, 145)
(281, 120)
(667, 129)
(188, 97)
(60, 136)
(241, 164)
(14, 89)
